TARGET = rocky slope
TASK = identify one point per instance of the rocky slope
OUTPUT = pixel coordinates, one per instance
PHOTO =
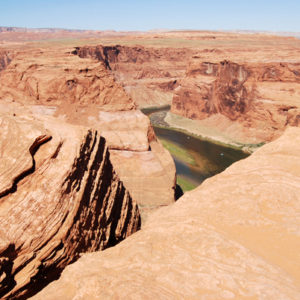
(52, 77)
(234, 237)
(148, 74)
(83, 91)
(59, 196)
(260, 96)
(5, 59)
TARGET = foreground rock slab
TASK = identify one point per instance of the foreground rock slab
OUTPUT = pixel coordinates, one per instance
(235, 237)
(59, 196)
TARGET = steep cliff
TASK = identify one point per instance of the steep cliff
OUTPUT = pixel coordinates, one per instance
(234, 237)
(59, 196)
(260, 96)
(55, 77)
(253, 95)
(148, 74)
(5, 59)
(84, 92)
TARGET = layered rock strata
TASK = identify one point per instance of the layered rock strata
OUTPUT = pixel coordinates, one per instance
(5, 59)
(234, 237)
(235, 95)
(148, 74)
(56, 77)
(260, 96)
(83, 91)
(59, 196)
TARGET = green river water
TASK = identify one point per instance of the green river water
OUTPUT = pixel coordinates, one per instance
(196, 159)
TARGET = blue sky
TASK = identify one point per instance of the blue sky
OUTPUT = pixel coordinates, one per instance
(271, 15)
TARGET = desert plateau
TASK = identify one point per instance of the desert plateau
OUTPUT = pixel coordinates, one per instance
(161, 164)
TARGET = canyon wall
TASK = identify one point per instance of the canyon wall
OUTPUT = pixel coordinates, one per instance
(59, 196)
(251, 94)
(148, 74)
(82, 91)
(234, 237)
(54, 77)
(5, 59)
(65, 188)
(263, 96)
(81, 168)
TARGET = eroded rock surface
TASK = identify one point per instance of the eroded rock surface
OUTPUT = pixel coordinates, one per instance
(83, 91)
(213, 78)
(148, 74)
(234, 237)
(5, 59)
(59, 196)
(56, 77)
(260, 96)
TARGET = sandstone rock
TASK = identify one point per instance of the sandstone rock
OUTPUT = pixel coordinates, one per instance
(260, 96)
(148, 74)
(59, 196)
(146, 168)
(82, 91)
(56, 77)
(5, 59)
(247, 86)
(234, 237)
(148, 175)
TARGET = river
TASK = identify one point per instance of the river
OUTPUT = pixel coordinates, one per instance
(196, 159)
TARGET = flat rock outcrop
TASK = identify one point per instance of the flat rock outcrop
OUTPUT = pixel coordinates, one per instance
(234, 237)
(59, 196)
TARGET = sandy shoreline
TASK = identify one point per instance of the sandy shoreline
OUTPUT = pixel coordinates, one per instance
(196, 128)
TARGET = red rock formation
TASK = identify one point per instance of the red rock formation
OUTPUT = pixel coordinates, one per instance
(149, 75)
(83, 91)
(234, 237)
(59, 196)
(56, 77)
(258, 95)
(5, 59)
(247, 92)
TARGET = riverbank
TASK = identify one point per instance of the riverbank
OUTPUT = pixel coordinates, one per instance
(161, 116)
(208, 133)
(196, 159)
(199, 152)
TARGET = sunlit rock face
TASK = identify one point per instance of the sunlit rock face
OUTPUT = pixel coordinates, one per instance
(82, 91)
(261, 96)
(71, 142)
(60, 196)
(234, 237)
(149, 75)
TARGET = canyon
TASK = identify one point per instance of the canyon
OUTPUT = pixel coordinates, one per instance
(234, 237)
(252, 92)
(82, 169)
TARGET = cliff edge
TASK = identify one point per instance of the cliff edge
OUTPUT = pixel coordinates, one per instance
(59, 196)
(234, 237)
